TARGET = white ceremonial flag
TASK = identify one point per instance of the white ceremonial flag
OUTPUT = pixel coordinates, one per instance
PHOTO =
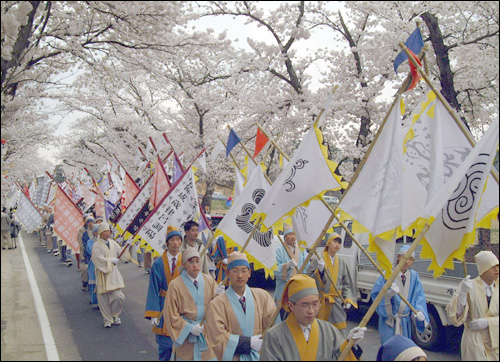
(178, 206)
(236, 225)
(309, 221)
(375, 198)
(202, 160)
(27, 214)
(465, 201)
(239, 180)
(217, 150)
(308, 174)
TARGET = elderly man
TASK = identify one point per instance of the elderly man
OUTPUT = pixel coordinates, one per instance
(394, 314)
(303, 337)
(286, 265)
(237, 318)
(475, 305)
(163, 272)
(185, 305)
(109, 281)
(331, 306)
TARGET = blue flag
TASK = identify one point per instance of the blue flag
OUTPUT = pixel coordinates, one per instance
(232, 141)
(415, 43)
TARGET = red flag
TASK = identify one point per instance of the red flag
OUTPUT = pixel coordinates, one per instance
(67, 219)
(260, 141)
(161, 185)
(131, 190)
(415, 75)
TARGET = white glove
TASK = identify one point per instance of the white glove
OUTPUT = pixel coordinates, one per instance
(478, 324)
(347, 306)
(463, 289)
(197, 329)
(154, 321)
(256, 342)
(291, 264)
(393, 290)
(420, 316)
(356, 334)
(224, 261)
(321, 265)
(221, 288)
(114, 260)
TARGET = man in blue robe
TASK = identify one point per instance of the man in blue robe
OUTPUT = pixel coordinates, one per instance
(164, 270)
(394, 315)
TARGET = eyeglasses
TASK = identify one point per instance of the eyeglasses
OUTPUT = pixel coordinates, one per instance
(313, 305)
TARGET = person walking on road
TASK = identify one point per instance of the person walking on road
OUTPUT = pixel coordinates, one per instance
(475, 305)
(109, 281)
(6, 230)
(164, 270)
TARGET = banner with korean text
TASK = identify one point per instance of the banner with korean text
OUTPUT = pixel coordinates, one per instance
(67, 219)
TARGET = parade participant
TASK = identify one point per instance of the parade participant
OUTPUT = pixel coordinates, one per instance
(185, 305)
(286, 266)
(109, 281)
(84, 256)
(15, 228)
(399, 348)
(237, 318)
(303, 337)
(50, 236)
(81, 230)
(479, 312)
(91, 267)
(394, 315)
(6, 230)
(219, 256)
(331, 306)
(45, 221)
(163, 271)
(191, 231)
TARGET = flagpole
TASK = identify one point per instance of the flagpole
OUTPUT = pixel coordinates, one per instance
(386, 286)
(443, 100)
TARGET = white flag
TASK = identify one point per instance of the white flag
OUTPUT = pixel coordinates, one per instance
(293, 187)
(27, 214)
(239, 180)
(236, 225)
(217, 150)
(308, 222)
(202, 160)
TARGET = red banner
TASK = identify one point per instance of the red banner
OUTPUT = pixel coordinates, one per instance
(67, 219)
(131, 190)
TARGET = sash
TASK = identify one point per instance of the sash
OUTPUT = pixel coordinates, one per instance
(307, 350)
(394, 321)
(246, 322)
(328, 299)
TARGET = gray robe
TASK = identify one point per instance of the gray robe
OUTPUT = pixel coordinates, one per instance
(279, 344)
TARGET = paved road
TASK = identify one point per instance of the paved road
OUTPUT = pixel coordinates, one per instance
(77, 329)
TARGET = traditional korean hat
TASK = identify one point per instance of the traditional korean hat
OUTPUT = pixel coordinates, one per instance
(332, 237)
(103, 227)
(299, 286)
(404, 249)
(399, 348)
(287, 229)
(189, 253)
(237, 259)
(485, 260)
(172, 231)
(89, 219)
(99, 218)
(95, 228)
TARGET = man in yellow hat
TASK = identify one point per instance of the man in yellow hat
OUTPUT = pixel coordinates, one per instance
(286, 265)
(478, 312)
(109, 281)
(303, 337)
(237, 318)
(331, 309)
(185, 305)
(163, 272)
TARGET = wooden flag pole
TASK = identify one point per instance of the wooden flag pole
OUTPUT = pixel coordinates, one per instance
(386, 286)
(443, 100)
(331, 281)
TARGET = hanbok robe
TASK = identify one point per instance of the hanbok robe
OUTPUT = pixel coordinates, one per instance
(331, 305)
(286, 342)
(91, 273)
(226, 322)
(395, 315)
(479, 345)
(108, 277)
(220, 253)
(185, 306)
(283, 274)
(159, 280)
(207, 265)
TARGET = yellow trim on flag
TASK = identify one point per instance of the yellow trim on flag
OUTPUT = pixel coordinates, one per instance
(431, 97)
(331, 164)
